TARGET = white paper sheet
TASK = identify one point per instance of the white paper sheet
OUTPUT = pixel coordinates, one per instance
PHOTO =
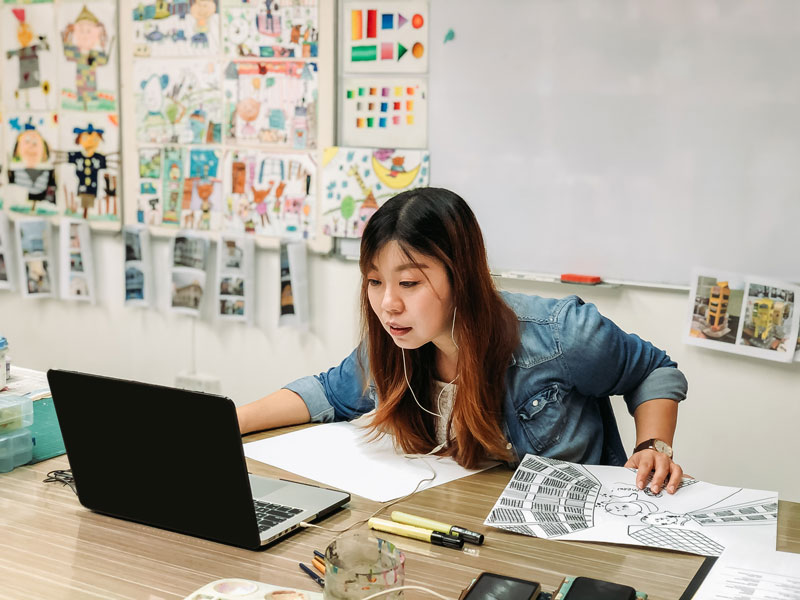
(562, 500)
(741, 574)
(336, 454)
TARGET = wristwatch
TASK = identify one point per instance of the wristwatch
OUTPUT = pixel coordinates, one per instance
(654, 444)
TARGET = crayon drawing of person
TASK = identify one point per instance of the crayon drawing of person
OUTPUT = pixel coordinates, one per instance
(88, 163)
(86, 44)
(28, 55)
(32, 151)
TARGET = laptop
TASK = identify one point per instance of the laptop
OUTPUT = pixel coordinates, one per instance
(173, 459)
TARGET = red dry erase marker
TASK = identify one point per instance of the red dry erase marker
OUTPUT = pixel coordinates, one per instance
(585, 279)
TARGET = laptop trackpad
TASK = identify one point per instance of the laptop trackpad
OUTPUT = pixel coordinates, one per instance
(263, 486)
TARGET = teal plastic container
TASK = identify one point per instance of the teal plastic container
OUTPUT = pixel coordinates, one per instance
(16, 448)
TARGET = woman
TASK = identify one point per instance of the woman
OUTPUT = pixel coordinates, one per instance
(455, 367)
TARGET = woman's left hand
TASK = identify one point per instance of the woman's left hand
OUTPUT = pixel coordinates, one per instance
(666, 472)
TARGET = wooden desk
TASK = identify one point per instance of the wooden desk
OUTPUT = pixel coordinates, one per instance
(52, 547)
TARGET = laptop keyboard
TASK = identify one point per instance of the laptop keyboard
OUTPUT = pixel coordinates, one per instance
(269, 514)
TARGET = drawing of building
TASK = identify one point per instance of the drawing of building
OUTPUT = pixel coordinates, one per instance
(188, 296)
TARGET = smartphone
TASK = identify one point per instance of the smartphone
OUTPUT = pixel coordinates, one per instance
(586, 588)
(491, 586)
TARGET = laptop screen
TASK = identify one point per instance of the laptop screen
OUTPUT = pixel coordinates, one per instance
(156, 455)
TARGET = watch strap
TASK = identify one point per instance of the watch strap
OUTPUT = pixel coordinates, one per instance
(651, 445)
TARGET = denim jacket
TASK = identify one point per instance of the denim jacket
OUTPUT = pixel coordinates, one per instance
(569, 361)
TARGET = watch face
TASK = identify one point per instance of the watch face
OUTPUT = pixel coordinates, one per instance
(662, 447)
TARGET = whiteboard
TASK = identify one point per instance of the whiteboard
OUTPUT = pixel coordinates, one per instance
(622, 138)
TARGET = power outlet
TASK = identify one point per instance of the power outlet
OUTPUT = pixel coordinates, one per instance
(198, 382)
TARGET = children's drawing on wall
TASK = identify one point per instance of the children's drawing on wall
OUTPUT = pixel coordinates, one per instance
(30, 141)
(88, 166)
(175, 28)
(560, 500)
(6, 277)
(745, 315)
(272, 103)
(88, 72)
(271, 194)
(385, 37)
(28, 40)
(380, 112)
(35, 257)
(188, 272)
(177, 102)
(148, 199)
(172, 181)
(201, 207)
(138, 270)
(77, 270)
(270, 29)
(235, 279)
(356, 181)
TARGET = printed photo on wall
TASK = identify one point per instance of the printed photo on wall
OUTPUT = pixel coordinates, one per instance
(87, 70)
(272, 102)
(175, 28)
(87, 166)
(384, 112)
(294, 301)
(235, 281)
(30, 140)
(77, 264)
(35, 258)
(188, 257)
(385, 37)
(177, 102)
(271, 194)
(6, 274)
(356, 181)
(270, 29)
(745, 315)
(28, 42)
(138, 270)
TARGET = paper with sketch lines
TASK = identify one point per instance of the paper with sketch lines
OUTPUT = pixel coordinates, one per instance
(562, 500)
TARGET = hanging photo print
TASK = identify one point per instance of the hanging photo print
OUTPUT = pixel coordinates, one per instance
(28, 43)
(30, 140)
(271, 194)
(270, 29)
(75, 255)
(356, 181)
(385, 37)
(272, 102)
(138, 270)
(6, 278)
(235, 281)
(175, 28)
(177, 102)
(746, 315)
(35, 258)
(294, 306)
(380, 112)
(88, 166)
(87, 69)
(189, 254)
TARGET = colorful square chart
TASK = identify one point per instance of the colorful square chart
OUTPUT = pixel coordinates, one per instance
(397, 118)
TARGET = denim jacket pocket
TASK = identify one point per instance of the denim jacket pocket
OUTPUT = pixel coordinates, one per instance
(542, 418)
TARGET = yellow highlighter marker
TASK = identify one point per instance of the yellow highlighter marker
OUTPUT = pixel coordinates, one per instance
(416, 533)
(468, 536)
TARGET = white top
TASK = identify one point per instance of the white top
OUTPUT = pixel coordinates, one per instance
(446, 393)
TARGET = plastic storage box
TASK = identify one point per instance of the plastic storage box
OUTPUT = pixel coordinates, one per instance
(16, 448)
(16, 412)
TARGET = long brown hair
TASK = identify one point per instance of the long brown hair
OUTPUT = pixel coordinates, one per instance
(439, 224)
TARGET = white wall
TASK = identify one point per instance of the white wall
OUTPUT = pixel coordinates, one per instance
(738, 426)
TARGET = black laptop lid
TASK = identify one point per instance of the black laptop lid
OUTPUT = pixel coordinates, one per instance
(156, 455)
